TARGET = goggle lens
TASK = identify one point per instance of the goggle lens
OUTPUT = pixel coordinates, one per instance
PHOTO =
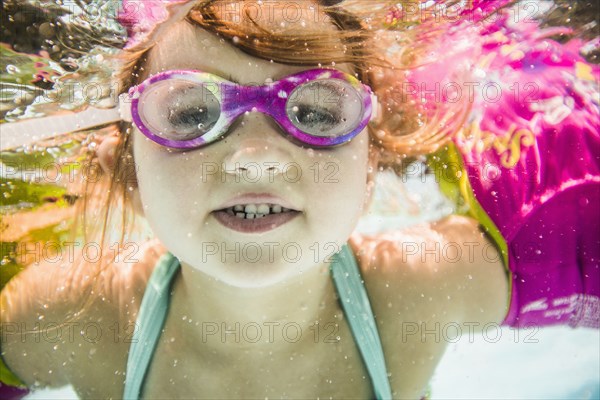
(179, 110)
(327, 108)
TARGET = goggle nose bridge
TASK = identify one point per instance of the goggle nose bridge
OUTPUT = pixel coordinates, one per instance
(252, 99)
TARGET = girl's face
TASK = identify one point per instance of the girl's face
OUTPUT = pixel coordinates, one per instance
(183, 191)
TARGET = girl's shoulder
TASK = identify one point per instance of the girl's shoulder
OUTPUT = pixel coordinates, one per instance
(426, 244)
(58, 286)
(448, 264)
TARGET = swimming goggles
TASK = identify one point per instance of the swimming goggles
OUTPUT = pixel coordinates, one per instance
(187, 109)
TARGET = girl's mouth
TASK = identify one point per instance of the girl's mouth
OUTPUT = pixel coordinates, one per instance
(255, 217)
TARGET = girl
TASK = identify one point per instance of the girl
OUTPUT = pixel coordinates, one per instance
(253, 163)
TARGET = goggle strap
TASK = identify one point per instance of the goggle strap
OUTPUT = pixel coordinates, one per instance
(376, 113)
(125, 107)
(29, 131)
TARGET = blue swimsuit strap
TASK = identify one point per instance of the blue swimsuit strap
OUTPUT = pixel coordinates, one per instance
(349, 286)
(150, 320)
(355, 302)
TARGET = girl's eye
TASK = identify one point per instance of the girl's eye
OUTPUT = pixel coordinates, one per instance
(188, 117)
(315, 117)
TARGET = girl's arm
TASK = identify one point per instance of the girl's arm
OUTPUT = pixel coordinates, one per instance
(61, 321)
(34, 303)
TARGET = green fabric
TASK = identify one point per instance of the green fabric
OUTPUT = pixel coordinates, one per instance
(450, 172)
(7, 377)
(349, 286)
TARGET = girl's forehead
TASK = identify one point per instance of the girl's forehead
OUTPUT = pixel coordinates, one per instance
(190, 47)
(187, 46)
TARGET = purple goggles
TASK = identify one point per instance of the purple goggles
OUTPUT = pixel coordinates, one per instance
(187, 109)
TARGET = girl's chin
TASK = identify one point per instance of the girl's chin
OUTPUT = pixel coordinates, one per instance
(248, 276)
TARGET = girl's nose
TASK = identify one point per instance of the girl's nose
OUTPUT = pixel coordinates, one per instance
(255, 155)
(260, 149)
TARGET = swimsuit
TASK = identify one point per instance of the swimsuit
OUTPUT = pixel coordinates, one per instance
(352, 296)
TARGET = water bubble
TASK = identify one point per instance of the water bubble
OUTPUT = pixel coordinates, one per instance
(12, 69)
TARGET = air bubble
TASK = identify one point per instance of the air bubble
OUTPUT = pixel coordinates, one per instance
(12, 69)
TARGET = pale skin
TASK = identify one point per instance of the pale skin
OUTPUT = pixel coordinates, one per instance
(406, 289)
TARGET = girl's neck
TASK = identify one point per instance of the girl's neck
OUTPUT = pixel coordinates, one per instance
(302, 300)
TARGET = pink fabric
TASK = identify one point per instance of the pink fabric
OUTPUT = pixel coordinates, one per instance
(11, 392)
(531, 148)
(140, 17)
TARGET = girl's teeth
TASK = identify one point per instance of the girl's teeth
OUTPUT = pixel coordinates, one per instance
(255, 211)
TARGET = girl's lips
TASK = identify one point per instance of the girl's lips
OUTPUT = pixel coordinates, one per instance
(264, 224)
